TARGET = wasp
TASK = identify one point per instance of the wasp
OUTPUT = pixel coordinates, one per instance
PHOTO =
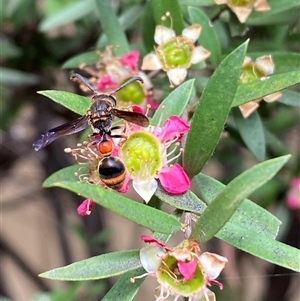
(99, 117)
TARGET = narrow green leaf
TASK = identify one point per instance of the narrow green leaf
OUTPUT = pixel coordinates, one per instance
(208, 37)
(175, 103)
(146, 216)
(290, 98)
(111, 27)
(212, 111)
(225, 203)
(263, 247)
(252, 132)
(197, 2)
(127, 19)
(148, 28)
(259, 88)
(70, 13)
(123, 289)
(88, 58)
(17, 77)
(187, 201)
(248, 216)
(278, 7)
(76, 103)
(175, 21)
(97, 267)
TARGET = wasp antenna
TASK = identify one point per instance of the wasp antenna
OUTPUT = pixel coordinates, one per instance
(133, 79)
(83, 80)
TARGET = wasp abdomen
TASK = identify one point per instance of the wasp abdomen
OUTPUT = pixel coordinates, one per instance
(112, 172)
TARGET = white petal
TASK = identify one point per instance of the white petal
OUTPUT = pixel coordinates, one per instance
(212, 264)
(151, 62)
(272, 97)
(265, 63)
(147, 82)
(220, 1)
(145, 189)
(192, 32)
(163, 34)
(151, 257)
(242, 13)
(248, 108)
(177, 76)
(247, 60)
(199, 54)
(261, 5)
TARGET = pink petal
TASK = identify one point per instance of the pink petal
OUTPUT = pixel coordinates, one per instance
(130, 60)
(174, 179)
(137, 109)
(172, 128)
(85, 207)
(295, 183)
(105, 83)
(153, 241)
(187, 269)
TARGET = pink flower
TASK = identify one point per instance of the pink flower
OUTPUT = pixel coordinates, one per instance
(85, 207)
(105, 83)
(182, 271)
(130, 60)
(293, 195)
(146, 157)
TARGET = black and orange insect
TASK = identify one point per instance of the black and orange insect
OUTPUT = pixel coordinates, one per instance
(99, 117)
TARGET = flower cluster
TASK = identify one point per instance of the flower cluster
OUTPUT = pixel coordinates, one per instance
(262, 67)
(145, 155)
(175, 54)
(243, 8)
(111, 72)
(182, 271)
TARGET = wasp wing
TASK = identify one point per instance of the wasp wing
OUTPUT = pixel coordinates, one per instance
(68, 128)
(133, 117)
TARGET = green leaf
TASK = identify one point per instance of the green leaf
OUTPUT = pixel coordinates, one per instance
(87, 58)
(175, 103)
(252, 132)
(17, 78)
(290, 98)
(123, 289)
(263, 247)
(148, 28)
(248, 216)
(70, 13)
(175, 21)
(197, 2)
(187, 201)
(97, 267)
(76, 103)
(225, 203)
(278, 8)
(260, 88)
(208, 37)
(146, 216)
(112, 28)
(127, 19)
(212, 111)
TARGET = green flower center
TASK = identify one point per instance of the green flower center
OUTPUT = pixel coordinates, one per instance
(176, 52)
(169, 274)
(243, 3)
(141, 155)
(133, 93)
(251, 72)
